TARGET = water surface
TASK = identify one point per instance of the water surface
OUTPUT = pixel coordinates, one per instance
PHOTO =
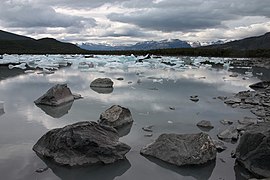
(150, 90)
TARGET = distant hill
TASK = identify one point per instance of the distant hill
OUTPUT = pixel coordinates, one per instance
(12, 37)
(251, 43)
(146, 45)
(16, 44)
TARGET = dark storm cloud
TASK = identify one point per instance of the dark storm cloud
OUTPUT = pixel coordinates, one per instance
(190, 15)
(23, 14)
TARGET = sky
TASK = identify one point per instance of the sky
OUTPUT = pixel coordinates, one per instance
(130, 21)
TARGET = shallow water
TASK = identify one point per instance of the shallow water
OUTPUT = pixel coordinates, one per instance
(154, 89)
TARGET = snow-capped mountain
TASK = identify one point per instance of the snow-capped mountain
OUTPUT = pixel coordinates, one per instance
(146, 45)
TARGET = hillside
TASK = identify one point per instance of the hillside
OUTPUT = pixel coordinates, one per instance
(15, 44)
(251, 43)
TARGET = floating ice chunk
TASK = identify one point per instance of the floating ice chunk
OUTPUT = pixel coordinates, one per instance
(46, 71)
(158, 81)
(29, 71)
(86, 65)
(20, 66)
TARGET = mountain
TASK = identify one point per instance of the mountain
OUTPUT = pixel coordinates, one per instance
(146, 45)
(12, 37)
(251, 43)
(16, 44)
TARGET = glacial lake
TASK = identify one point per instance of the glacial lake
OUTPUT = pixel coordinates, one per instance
(157, 95)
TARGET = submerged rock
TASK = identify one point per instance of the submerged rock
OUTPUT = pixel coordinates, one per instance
(253, 151)
(228, 134)
(116, 116)
(81, 143)
(220, 146)
(226, 122)
(57, 95)
(182, 149)
(102, 83)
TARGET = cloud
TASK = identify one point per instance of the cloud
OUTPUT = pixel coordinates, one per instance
(129, 21)
(189, 15)
(127, 32)
(24, 14)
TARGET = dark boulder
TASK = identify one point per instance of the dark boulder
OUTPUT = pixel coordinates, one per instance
(182, 149)
(102, 83)
(116, 116)
(57, 95)
(260, 85)
(81, 143)
(253, 151)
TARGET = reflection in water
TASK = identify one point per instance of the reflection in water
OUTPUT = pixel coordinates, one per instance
(95, 172)
(2, 111)
(102, 90)
(241, 173)
(200, 172)
(5, 72)
(56, 111)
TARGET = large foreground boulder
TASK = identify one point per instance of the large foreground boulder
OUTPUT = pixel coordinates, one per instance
(57, 95)
(116, 116)
(253, 151)
(81, 143)
(182, 149)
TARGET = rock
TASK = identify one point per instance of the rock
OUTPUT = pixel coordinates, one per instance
(233, 75)
(253, 151)
(120, 79)
(41, 170)
(233, 155)
(233, 100)
(259, 112)
(226, 122)
(222, 98)
(182, 149)
(55, 96)
(194, 98)
(147, 128)
(228, 134)
(148, 135)
(220, 146)
(81, 143)
(116, 116)
(2, 111)
(205, 124)
(260, 85)
(102, 83)
(172, 108)
(248, 121)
